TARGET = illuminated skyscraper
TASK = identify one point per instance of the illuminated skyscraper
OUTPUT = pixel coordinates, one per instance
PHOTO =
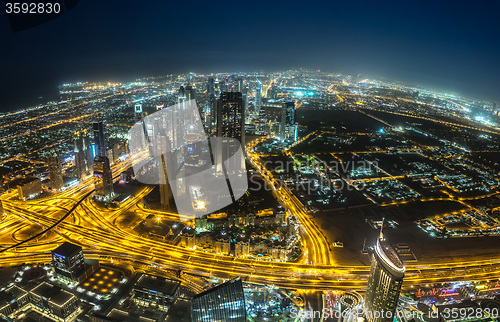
(231, 116)
(258, 96)
(83, 154)
(225, 302)
(288, 129)
(230, 124)
(103, 179)
(55, 171)
(99, 142)
(209, 116)
(384, 283)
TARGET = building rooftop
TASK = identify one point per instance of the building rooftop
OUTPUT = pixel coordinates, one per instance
(55, 294)
(157, 283)
(218, 287)
(67, 249)
(389, 258)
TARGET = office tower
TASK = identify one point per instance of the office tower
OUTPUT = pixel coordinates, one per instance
(384, 283)
(138, 114)
(258, 96)
(181, 95)
(68, 262)
(289, 107)
(55, 171)
(288, 130)
(29, 188)
(166, 165)
(231, 116)
(225, 302)
(103, 179)
(283, 124)
(209, 117)
(230, 124)
(100, 145)
(190, 92)
(83, 154)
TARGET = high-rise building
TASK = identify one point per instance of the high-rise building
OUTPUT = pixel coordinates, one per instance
(225, 302)
(138, 113)
(190, 92)
(103, 178)
(68, 262)
(230, 124)
(166, 165)
(288, 129)
(100, 144)
(231, 116)
(55, 171)
(289, 107)
(258, 96)
(384, 283)
(210, 110)
(83, 154)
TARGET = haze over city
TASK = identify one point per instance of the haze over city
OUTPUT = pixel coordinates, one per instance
(253, 161)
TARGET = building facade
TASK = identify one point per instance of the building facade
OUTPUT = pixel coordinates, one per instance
(384, 283)
(103, 179)
(225, 302)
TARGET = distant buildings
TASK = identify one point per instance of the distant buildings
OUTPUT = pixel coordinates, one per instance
(384, 283)
(29, 188)
(100, 144)
(55, 171)
(225, 302)
(103, 179)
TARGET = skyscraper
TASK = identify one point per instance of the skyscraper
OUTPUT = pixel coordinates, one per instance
(103, 178)
(230, 124)
(55, 171)
(209, 116)
(138, 114)
(99, 142)
(287, 127)
(231, 116)
(83, 154)
(384, 283)
(166, 165)
(258, 96)
(225, 302)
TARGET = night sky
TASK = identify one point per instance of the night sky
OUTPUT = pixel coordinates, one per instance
(450, 45)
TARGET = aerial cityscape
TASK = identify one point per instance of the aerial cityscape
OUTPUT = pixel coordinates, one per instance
(362, 195)
(250, 162)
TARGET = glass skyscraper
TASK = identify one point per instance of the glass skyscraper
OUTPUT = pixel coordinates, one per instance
(225, 302)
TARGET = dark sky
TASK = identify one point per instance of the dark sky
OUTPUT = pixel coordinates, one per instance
(453, 45)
